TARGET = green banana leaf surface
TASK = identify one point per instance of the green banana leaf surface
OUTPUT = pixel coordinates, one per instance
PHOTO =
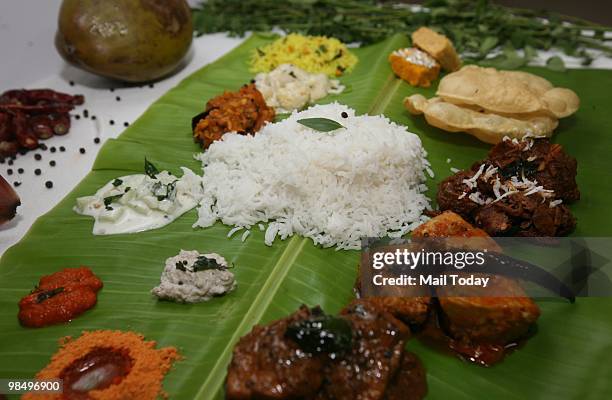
(568, 358)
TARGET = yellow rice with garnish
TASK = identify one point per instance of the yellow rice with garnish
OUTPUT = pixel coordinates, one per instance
(315, 54)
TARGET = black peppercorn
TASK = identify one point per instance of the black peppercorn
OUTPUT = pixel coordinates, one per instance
(37, 157)
(82, 150)
(62, 148)
(112, 122)
(16, 183)
(9, 171)
(37, 171)
(49, 184)
(20, 170)
(52, 163)
(53, 149)
(344, 114)
(126, 124)
(97, 140)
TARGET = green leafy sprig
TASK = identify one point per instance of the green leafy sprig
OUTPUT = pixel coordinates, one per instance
(477, 28)
(150, 169)
(204, 263)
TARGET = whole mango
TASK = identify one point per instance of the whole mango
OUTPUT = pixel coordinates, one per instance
(129, 40)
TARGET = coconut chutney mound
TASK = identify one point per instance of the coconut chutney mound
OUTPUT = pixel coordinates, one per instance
(191, 277)
(363, 180)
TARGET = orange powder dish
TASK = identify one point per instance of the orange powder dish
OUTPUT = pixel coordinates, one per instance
(108, 365)
(60, 297)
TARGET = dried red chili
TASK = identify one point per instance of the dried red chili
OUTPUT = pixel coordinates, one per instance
(41, 126)
(29, 115)
(37, 108)
(60, 297)
(24, 96)
(5, 120)
(23, 134)
(60, 123)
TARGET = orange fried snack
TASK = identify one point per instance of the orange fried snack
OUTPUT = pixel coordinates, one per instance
(480, 319)
(414, 66)
(108, 365)
(449, 224)
(438, 46)
(243, 112)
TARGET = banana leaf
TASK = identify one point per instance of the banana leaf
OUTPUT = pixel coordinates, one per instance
(566, 358)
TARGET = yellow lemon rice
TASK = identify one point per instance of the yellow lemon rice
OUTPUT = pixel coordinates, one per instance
(315, 54)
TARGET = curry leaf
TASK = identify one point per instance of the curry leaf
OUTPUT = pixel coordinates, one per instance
(203, 263)
(42, 296)
(555, 64)
(150, 169)
(530, 53)
(111, 199)
(488, 44)
(321, 334)
(504, 61)
(320, 124)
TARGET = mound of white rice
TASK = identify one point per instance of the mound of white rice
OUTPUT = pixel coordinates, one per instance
(363, 181)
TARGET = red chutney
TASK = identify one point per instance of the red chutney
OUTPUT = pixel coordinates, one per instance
(60, 297)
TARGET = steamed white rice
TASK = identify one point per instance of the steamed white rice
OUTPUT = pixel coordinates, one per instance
(363, 181)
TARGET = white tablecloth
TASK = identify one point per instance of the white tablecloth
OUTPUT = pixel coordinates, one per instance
(28, 59)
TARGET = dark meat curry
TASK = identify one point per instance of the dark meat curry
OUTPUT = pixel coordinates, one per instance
(309, 355)
(521, 189)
